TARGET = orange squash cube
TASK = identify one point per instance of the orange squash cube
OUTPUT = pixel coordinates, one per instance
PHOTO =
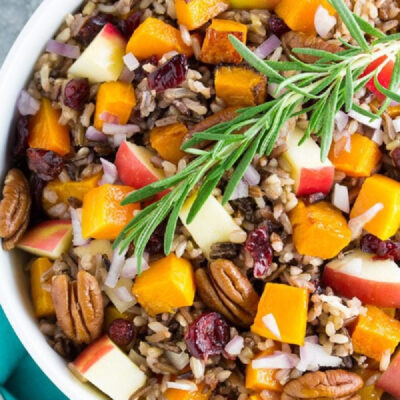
(168, 284)
(195, 13)
(362, 158)
(176, 394)
(42, 302)
(116, 98)
(155, 38)
(167, 141)
(375, 332)
(216, 46)
(103, 217)
(45, 132)
(66, 190)
(262, 378)
(299, 15)
(319, 230)
(379, 189)
(289, 307)
(240, 86)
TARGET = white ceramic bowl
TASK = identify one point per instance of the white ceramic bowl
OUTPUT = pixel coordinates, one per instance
(14, 289)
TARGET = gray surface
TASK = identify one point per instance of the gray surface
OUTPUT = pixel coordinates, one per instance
(14, 14)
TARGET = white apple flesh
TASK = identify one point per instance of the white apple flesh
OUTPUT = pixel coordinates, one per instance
(102, 61)
(359, 274)
(310, 174)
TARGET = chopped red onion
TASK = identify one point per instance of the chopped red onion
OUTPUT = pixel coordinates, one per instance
(278, 360)
(110, 174)
(127, 76)
(313, 356)
(182, 385)
(235, 346)
(363, 119)
(130, 270)
(76, 217)
(251, 176)
(63, 49)
(340, 198)
(117, 263)
(270, 323)
(131, 62)
(357, 224)
(396, 124)
(109, 118)
(377, 137)
(341, 120)
(312, 339)
(241, 191)
(26, 104)
(114, 129)
(93, 134)
(323, 22)
(118, 138)
(123, 294)
(267, 47)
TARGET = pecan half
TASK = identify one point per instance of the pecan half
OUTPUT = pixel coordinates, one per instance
(292, 40)
(335, 384)
(226, 290)
(15, 208)
(79, 306)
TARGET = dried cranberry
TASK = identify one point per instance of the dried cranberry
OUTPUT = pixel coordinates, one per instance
(277, 26)
(46, 164)
(169, 75)
(396, 157)
(21, 139)
(207, 335)
(92, 27)
(129, 25)
(383, 249)
(76, 93)
(36, 185)
(259, 246)
(314, 198)
(121, 332)
(155, 244)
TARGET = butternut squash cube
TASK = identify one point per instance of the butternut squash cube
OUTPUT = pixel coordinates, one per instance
(240, 86)
(195, 13)
(66, 190)
(167, 285)
(254, 4)
(177, 394)
(319, 230)
(155, 38)
(262, 378)
(42, 302)
(289, 307)
(362, 158)
(380, 189)
(116, 98)
(103, 217)
(216, 46)
(299, 15)
(375, 332)
(45, 132)
(167, 141)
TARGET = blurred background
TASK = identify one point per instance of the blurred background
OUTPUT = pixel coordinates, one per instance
(14, 14)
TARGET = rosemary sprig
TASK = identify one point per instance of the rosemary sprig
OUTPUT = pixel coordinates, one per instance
(329, 85)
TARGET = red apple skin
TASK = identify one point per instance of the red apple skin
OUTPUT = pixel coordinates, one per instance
(93, 353)
(389, 380)
(110, 32)
(315, 181)
(380, 294)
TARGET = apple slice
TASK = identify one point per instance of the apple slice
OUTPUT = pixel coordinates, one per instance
(134, 166)
(121, 294)
(212, 224)
(389, 380)
(358, 274)
(102, 61)
(48, 239)
(104, 365)
(310, 174)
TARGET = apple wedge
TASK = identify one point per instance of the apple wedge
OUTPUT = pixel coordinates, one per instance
(105, 366)
(389, 380)
(310, 174)
(48, 239)
(135, 167)
(102, 61)
(358, 274)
